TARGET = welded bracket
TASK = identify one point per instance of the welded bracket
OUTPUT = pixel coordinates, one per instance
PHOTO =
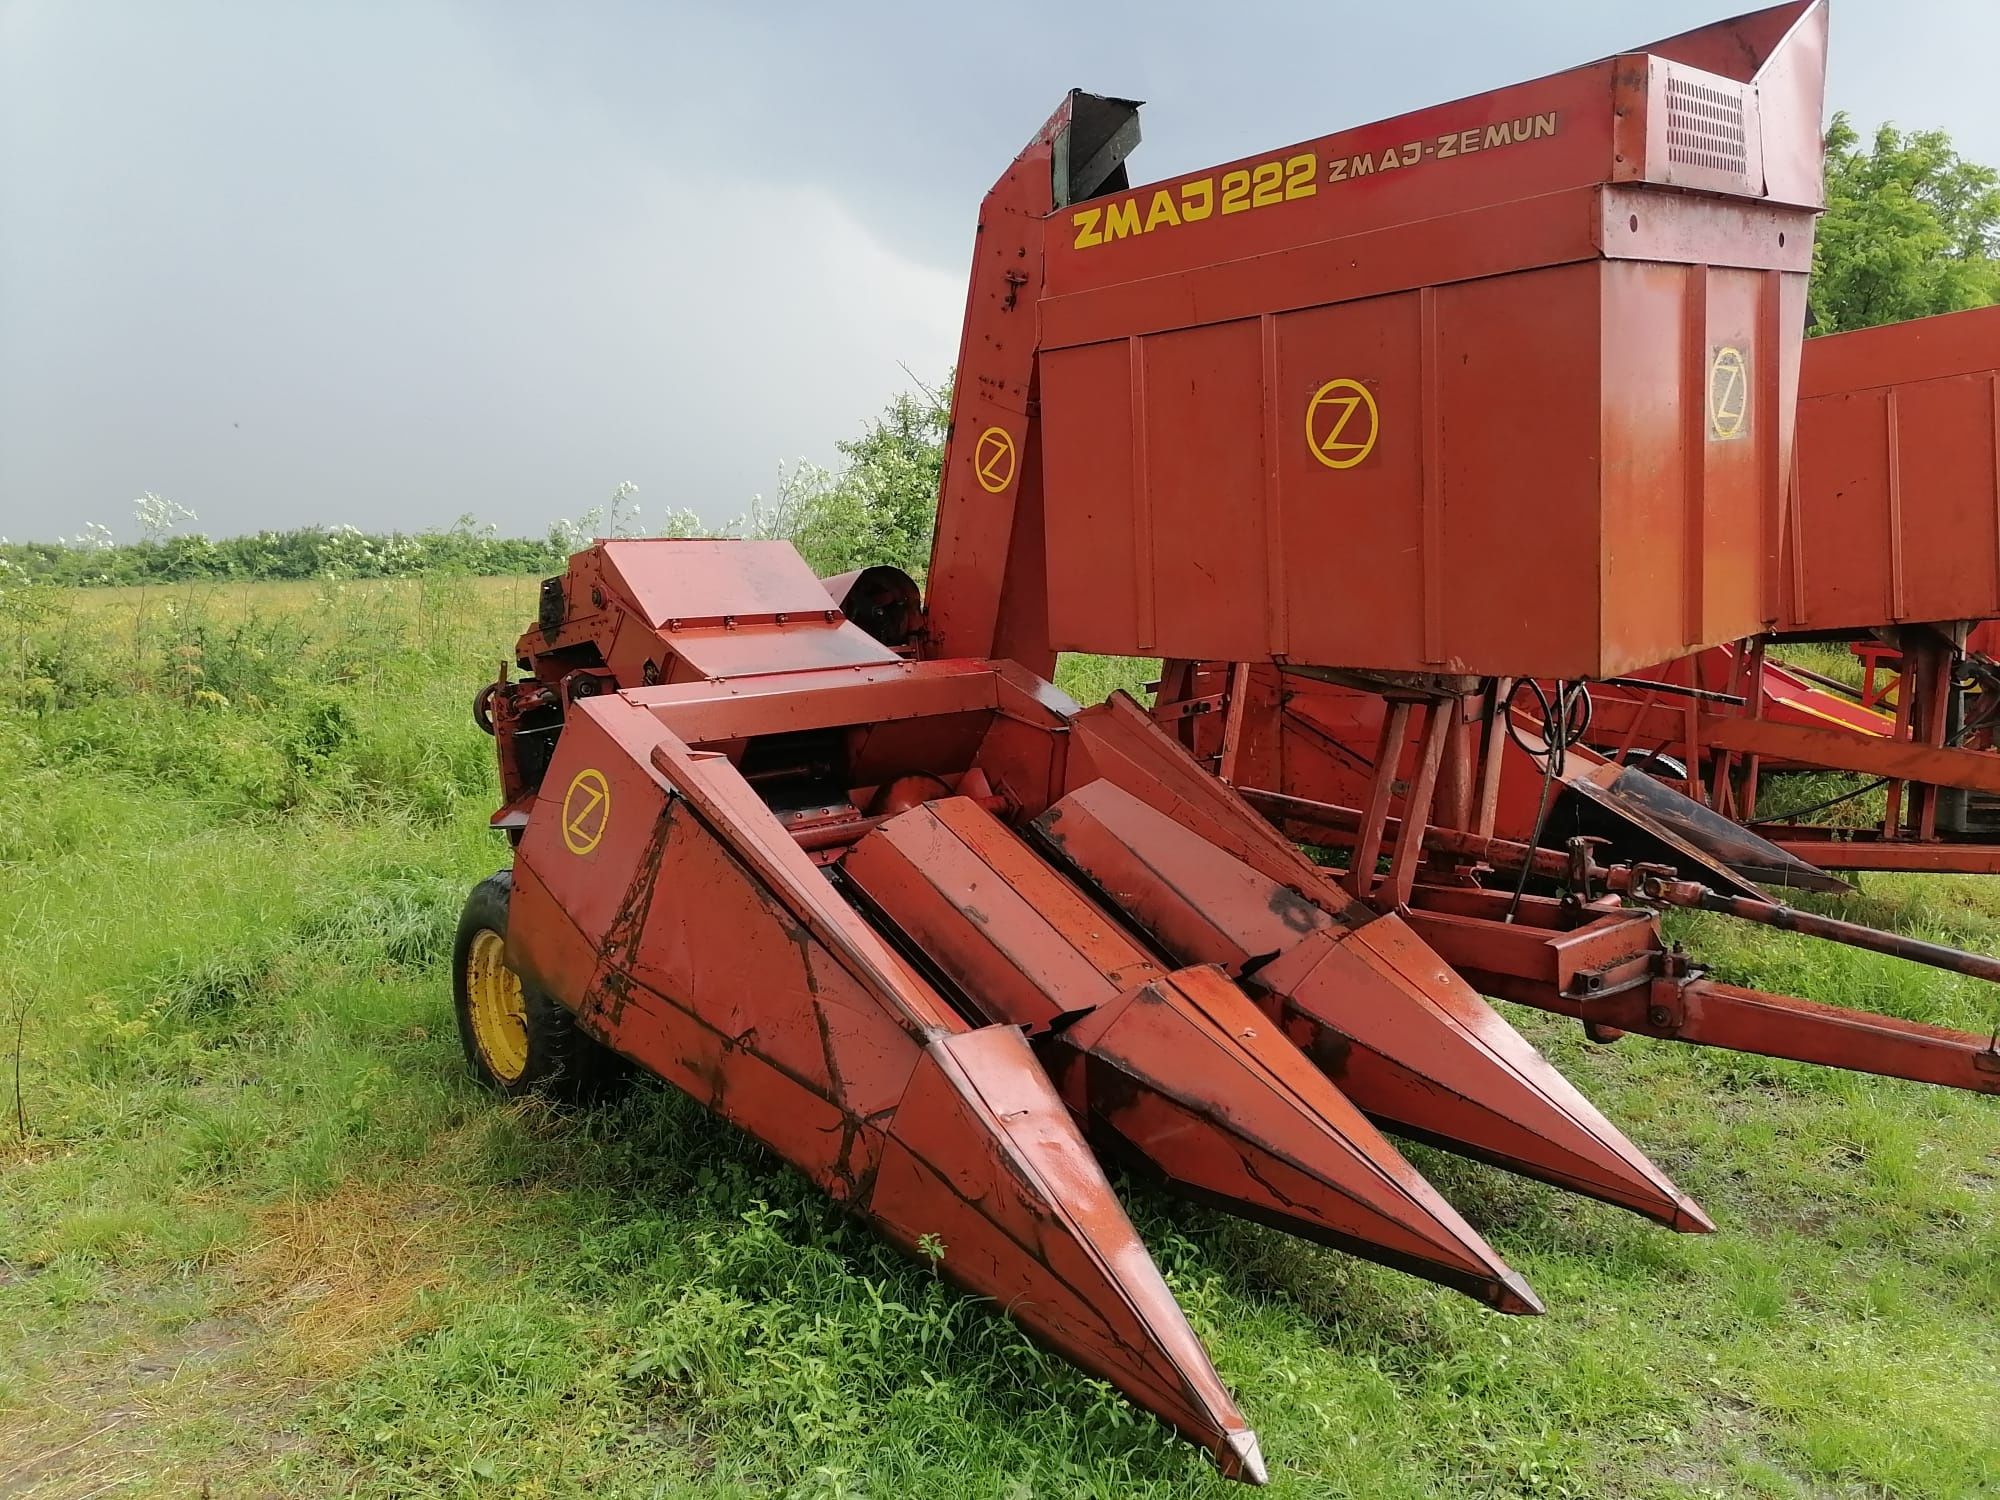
(1613, 972)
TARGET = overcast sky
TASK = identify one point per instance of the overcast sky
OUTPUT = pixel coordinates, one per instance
(383, 262)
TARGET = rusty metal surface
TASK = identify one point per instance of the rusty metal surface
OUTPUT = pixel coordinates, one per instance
(1023, 944)
(1116, 742)
(1188, 1075)
(679, 920)
(1178, 1072)
(1461, 1077)
(1388, 1021)
(982, 1154)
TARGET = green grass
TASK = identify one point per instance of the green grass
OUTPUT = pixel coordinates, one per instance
(1833, 799)
(262, 1237)
(1092, 679)
(1828, 659)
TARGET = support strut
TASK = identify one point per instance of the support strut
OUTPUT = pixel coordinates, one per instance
(1608, 966)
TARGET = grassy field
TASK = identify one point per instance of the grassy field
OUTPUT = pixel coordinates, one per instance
(260, 1236)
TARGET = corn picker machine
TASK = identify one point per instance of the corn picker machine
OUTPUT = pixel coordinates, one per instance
(840, 862)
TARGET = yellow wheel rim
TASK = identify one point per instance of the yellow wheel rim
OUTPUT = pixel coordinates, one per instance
(499, 1011)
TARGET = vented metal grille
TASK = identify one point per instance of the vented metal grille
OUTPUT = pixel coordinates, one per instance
(1705, 127)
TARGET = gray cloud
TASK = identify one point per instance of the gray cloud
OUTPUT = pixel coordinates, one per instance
(384, 263)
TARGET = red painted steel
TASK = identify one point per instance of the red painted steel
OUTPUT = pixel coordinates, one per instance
(676, 909)
(1294, 735)
(728, 609)
(1645, 715)
(1866, 849)
(1322, 741)
(1400, 1034)
(688, 931)
(1790, 720)
(987, 575)
(1653, 992)
(1179, 1071)
(1550, 968)
(1893, 520)
(1896, 515)
(1606, 963)
(1842, 750)
(1504, 307)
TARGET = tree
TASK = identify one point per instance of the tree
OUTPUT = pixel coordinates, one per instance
(1911, 229)
(879, 508)
(895, 465)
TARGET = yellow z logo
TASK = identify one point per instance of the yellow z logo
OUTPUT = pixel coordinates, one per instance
(1334, 434)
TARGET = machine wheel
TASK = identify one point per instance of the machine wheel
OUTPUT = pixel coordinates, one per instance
(1660, 767)
(517, 1039)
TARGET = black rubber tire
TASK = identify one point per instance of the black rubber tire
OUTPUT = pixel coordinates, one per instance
(564, 1062)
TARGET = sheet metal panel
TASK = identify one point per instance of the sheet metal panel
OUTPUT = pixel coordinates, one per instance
(1896, 514)
(1513, 370)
